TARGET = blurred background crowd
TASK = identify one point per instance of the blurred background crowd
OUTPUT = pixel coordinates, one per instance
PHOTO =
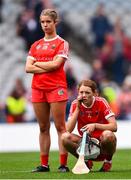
(99, 34)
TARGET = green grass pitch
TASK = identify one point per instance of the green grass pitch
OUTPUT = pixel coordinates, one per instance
(19, 166)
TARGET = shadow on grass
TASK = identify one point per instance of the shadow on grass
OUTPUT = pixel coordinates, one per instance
(112, 171)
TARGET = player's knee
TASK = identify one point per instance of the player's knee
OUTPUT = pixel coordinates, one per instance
(44, 129)
(60, 128)
(108, 136)
(65, 137)
(108, 142)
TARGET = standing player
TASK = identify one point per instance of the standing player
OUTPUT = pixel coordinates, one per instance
(49, 89)
(93, 114)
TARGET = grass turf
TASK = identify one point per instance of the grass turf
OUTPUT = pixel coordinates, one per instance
(19, 166)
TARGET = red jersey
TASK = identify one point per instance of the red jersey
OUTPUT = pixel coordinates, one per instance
(98, 112)
(45, 50)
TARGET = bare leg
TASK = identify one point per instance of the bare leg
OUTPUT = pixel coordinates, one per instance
(42, 111)
(58, 113)
(71, 142)
(108, 143)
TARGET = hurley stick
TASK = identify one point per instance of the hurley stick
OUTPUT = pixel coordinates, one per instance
(80, 167)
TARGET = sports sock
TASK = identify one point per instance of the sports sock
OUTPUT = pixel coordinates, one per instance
(44, 160)
(63, 159)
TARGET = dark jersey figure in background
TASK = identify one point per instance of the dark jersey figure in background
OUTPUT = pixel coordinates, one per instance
(49, 88)
(100, 26)
(93, 114)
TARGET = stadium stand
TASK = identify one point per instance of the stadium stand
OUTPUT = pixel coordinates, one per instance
(79, 12)
(12, 49)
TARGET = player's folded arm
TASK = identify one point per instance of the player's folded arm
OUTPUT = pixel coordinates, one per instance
(51, 65)
(31, 68)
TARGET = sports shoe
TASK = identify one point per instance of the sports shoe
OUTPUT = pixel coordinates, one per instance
(41, 169)
(106, 167)
(89, 164)
(63, 168)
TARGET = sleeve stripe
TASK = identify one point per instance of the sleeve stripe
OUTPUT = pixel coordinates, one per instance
(66, 47)
(109, 115)
(62, 55)
(31, 57)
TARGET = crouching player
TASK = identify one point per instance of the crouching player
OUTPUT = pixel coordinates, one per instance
(94, 115)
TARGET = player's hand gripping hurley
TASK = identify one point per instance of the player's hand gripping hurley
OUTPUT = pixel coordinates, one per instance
(80, 167)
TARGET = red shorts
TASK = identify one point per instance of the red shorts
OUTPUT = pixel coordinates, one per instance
(55, 95)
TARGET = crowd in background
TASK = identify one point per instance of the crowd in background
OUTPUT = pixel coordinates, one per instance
(111, 63)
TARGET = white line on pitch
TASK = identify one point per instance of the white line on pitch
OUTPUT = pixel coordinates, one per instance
(2, 172)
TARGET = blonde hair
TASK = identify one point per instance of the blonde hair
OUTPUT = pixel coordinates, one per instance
(50, 12)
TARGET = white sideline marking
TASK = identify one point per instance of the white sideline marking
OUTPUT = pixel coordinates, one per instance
(3, 172)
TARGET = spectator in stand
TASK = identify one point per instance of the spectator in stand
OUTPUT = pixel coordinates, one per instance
(100, 26)
(110, 90)
(71, 84)
(115, 42)
(19, 85)
(29, 4)
(62, 28)
(16, 104)
(98, 72)
(127, 54)
(71, 80)
(105, 56)
(40, 5)
(124, 99)
(27, 27)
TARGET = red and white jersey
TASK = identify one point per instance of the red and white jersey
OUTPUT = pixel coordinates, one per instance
(98, 112)
(45, 50)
